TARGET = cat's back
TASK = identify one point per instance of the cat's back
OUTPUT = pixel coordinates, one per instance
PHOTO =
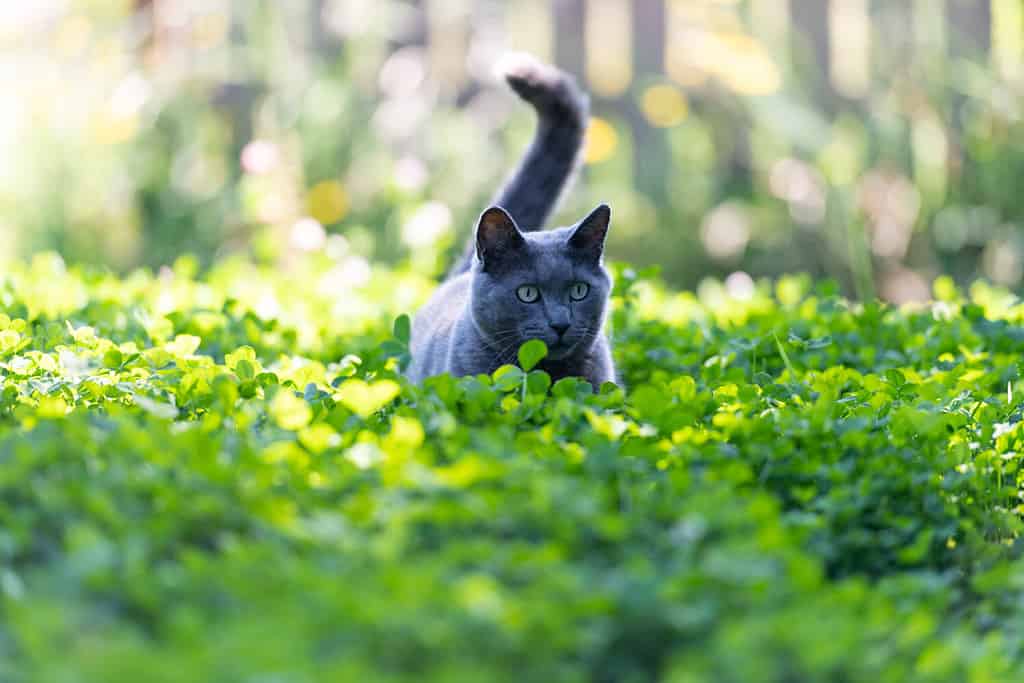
(433, 326)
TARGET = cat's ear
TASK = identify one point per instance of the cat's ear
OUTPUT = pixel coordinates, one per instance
(588, 237)
(497, 236)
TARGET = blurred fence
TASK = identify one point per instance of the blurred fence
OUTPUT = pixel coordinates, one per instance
(877, 142)
(614, 45)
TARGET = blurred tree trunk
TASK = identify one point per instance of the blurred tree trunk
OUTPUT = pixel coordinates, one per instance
(143, 6)
(810, 20)
(968, 31)
(970, 27)
(417, 31)
(145, 15)
(323, 43)
(570, 16)
(651, 158)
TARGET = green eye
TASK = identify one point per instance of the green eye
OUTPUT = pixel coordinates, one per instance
(579, 291)
(528, 294)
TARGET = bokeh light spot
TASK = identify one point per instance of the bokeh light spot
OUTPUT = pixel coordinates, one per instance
(327, 202)
(210, 30)
(111, 128)
(72, 36)
(664, 105)
(744, 66)
(427, 224)
(308, 235)
(1002, 262)
(725, 232)
(260, 156)
(601, 141)
(740, 286)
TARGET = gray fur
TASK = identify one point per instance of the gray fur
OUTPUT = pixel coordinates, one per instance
(476, 322)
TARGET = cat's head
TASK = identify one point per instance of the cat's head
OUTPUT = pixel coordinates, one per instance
(549, 285)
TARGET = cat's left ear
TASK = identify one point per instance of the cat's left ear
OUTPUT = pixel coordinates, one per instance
(589, 235)
(497, 237)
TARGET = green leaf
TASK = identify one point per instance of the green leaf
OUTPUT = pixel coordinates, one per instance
(9, 340)
(571, 387)
(819, 343)
(650, 401)
(508, 377)
(531, 353)
(267, 379)
(393, 348)
(289, 411)
(685, 388)
(895, 378)
(319, 437)
(402, 329)
(244, 370)
(538, 382)
(785, 356)
(112, 358)
(248, 389)
(242, 353)
(183, 344)
(365, 398)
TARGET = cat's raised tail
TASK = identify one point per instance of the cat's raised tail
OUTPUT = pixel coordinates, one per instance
(534, 188)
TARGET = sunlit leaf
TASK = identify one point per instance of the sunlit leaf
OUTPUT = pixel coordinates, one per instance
(366, 398)
(289, 411)
(531, 353)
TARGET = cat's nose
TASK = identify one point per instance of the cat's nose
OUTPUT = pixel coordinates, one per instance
(559, 328)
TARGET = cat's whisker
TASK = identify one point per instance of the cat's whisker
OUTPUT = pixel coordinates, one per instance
(502, 339)
(507, 353)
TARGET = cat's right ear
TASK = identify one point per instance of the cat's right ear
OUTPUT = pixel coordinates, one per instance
(588, 237)
(497, 237)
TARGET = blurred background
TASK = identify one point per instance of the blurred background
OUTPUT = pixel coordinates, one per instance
(877, 142)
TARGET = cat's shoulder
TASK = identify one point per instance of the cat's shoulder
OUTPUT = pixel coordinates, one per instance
(445, 306)
(452, 294)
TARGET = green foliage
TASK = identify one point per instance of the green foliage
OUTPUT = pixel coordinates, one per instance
(228, 479)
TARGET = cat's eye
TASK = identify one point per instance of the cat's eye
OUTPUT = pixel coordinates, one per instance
(528, 294)
(579, 291)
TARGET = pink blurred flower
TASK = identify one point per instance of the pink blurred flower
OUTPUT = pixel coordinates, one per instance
(260, 157)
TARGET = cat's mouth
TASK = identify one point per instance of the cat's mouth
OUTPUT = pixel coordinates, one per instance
(560, 349)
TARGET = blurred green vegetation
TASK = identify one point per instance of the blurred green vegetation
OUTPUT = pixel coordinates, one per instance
(225, 478)
(876, 143)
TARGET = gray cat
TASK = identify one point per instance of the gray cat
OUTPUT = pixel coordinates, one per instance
(515, 283)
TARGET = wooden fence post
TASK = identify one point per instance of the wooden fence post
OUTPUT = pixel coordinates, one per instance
(651, 158)
(569, 20)
(811, 23)
(969, 27)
